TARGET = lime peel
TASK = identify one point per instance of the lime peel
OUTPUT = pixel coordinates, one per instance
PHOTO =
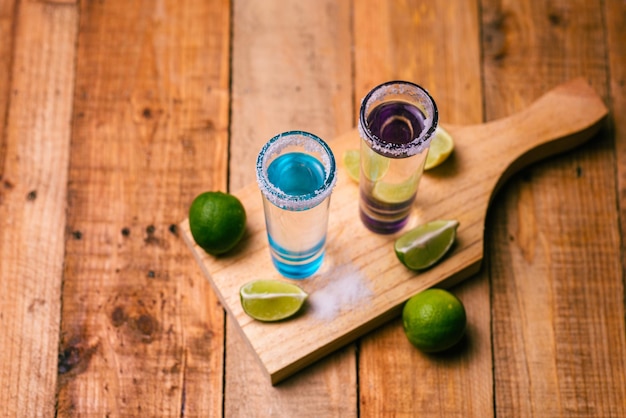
(271, 300)
(441, 146)
(351, 161)
(217, 221)
(423, 246)
(434, 320)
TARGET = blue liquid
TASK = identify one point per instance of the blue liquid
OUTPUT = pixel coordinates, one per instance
(296, 173)
(297, 238)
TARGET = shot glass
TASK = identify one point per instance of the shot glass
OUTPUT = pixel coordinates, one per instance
(296, 173)
(396, 123)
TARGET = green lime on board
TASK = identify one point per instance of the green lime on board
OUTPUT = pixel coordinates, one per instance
(441, 146)
(351, 161)
(396, 193)
(217, 221)
(434, 320)
(271, 300)
(423, 246)
(375, 165)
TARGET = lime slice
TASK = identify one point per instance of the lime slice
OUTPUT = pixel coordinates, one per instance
(440, 149)
(375, 165)
(271, 300)
(351, 160)
(396, 193)
(426, 244)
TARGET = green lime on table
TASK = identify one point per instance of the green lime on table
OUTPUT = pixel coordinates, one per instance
(441, 146)
(434, 320)
(217, 221)
(271, 300)
(423, 246)
(351, 161)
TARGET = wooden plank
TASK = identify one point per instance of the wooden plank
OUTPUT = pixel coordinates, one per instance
(7, 13)
(291, 70)
(439, 39)
(142, 334)
(361, 283)
(557, 279)
(36, 89)
(615, 23)
(615, 12)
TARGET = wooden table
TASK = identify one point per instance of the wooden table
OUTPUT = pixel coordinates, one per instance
(117, 113)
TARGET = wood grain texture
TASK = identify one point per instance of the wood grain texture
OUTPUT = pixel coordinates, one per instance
(142, 334)
(438, 38)
(36, 113)
(103, 311)
(557, 280)
(291, 70)
(616, 32)
(284, 54)
(7, 25)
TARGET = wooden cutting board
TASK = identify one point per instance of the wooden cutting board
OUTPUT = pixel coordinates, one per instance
(361, 283)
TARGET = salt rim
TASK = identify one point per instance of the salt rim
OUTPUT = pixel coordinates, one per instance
(417, 145)
(310, 143)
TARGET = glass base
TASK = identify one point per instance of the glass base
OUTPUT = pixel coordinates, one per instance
(298, 271)
(297, 264)
(382, 227)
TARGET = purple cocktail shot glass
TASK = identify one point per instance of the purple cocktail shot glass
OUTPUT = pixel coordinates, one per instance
(396, 123)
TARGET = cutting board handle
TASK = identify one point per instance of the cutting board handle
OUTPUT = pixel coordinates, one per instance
(560, 120)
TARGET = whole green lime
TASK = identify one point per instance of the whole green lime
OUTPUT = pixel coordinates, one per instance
(217, 221)
(434, 320)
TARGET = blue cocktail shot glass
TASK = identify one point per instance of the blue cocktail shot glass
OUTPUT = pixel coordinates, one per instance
(296, 173)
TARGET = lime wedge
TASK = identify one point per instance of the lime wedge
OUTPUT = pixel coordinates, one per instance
(271, 300)
(440, 149)
(426, 244)
(396, 193)
(351, 160)
(375, 165)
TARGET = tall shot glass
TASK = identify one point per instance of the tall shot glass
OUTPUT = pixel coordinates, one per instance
(296, 173)
(396, 123)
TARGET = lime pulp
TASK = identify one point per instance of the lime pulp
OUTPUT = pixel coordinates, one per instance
(351, 161)
(441, 146)
(271, 300)
(423, 246)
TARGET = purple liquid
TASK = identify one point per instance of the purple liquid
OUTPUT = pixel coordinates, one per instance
(384, 218)
(396, 122)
